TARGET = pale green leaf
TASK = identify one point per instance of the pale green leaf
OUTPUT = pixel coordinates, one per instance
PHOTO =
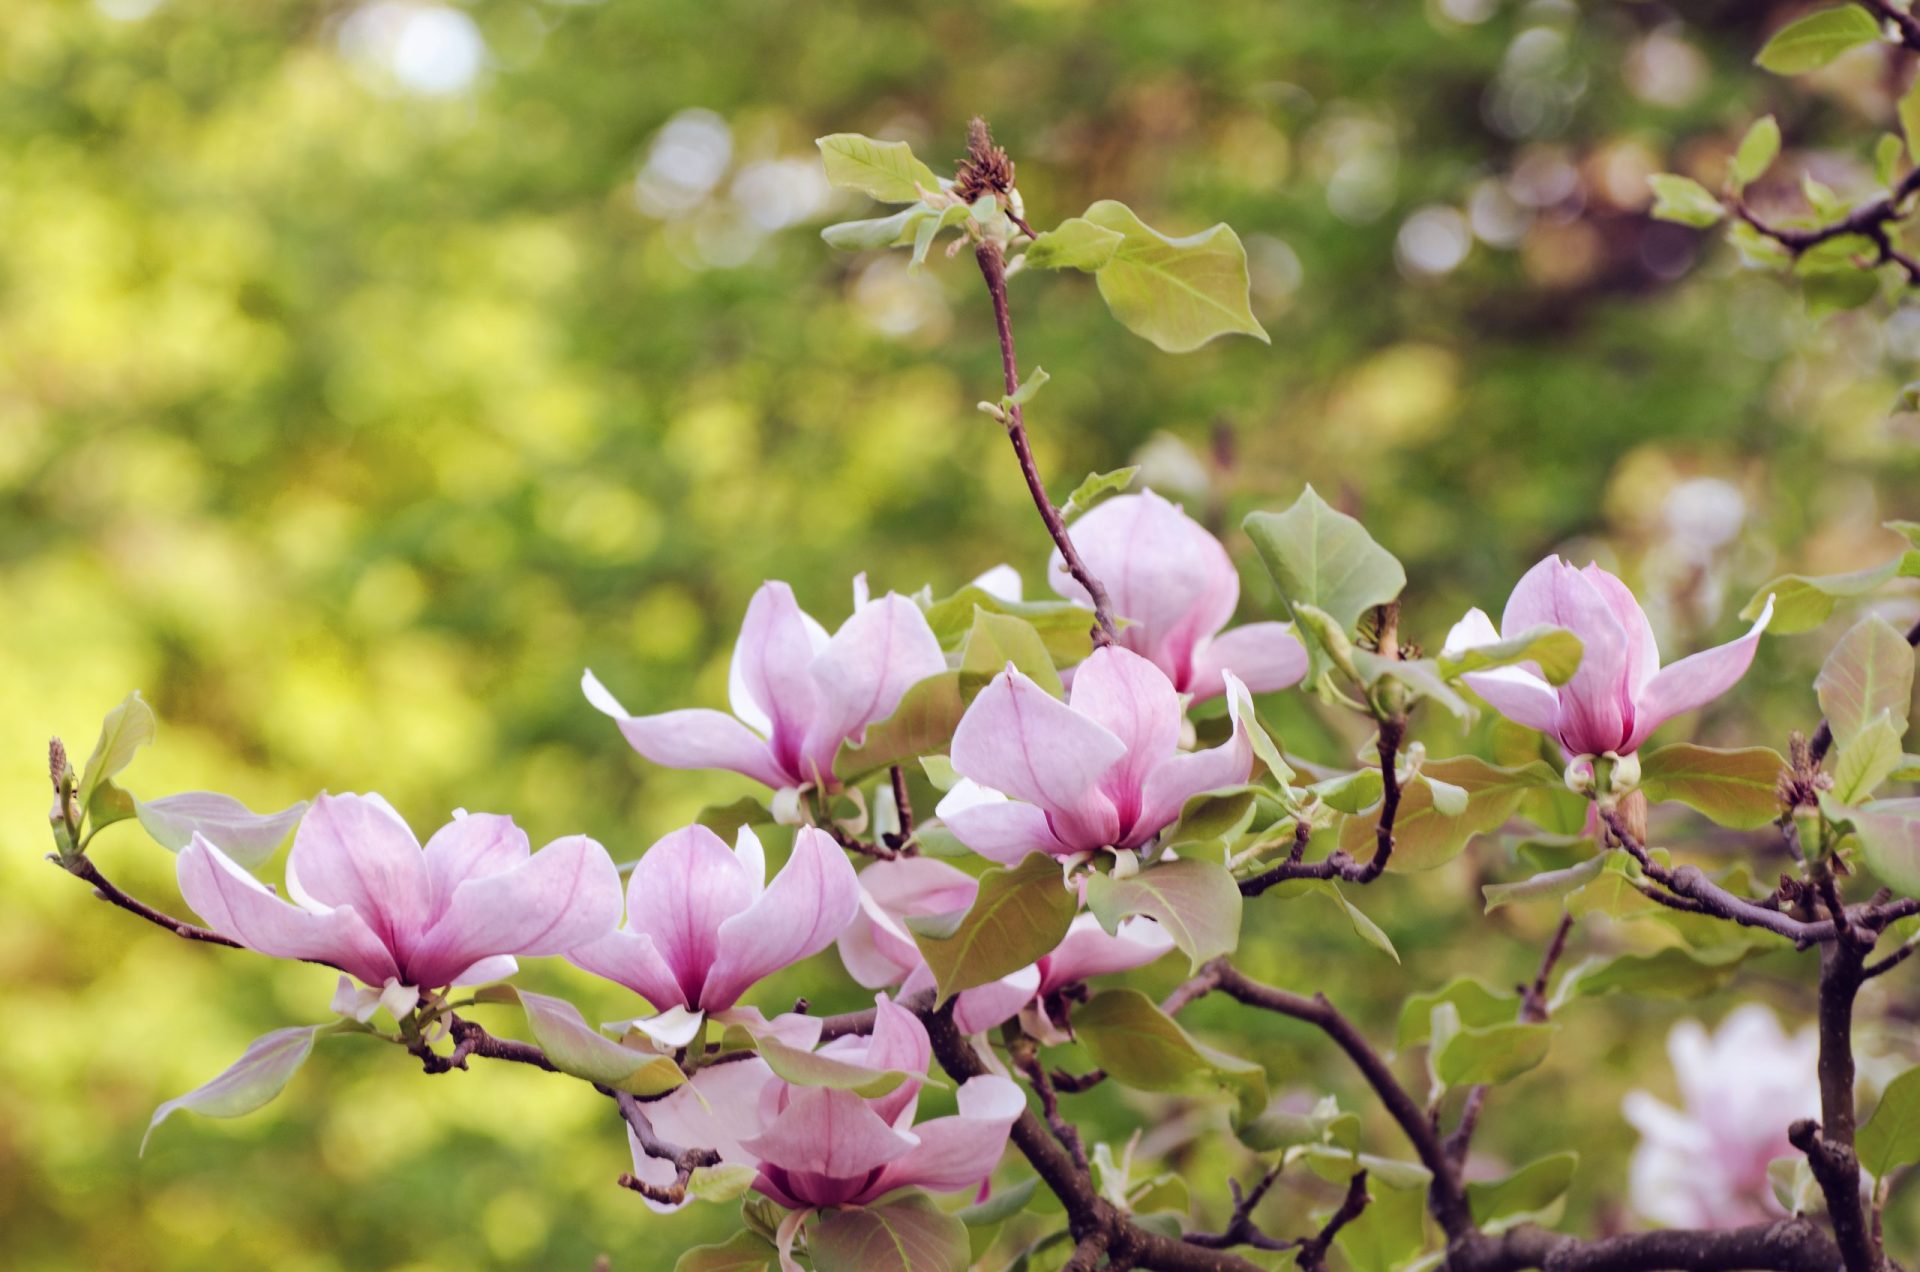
(1758, 149)
(1683, 201)
(1020, 913)
(1554, 650)
(261, 1072)
(1866, 761)
(1196, 902)
(1142, 1047)
(1178, 293)
(1809, 43)
(1326, 559)
(1891, 1137)
(1869, 673)
(126, 729)
(1096, 487)
(1076, 243)
(883, 170)
(1737, 788)
(239, 832)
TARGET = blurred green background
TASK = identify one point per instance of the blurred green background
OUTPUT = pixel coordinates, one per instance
(367, 370)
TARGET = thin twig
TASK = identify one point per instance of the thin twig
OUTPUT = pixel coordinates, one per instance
(1240, 1229)
(81, 866)
(1313, 1251)
(1533, 1010)
(901, 841)
(683, 1160)
(1026, 1058)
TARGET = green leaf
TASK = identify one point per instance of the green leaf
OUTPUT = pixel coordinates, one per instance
(905, 1234)
(998, 639)
(1144, 1048)
(1423, 837)
(725, 820)
(1019, 913)
(244, 835)
(1556, 884)
(1737, 788)
(922, 724)
(1389, 1234)
(1889, 831)
(1487, 1054)
(1477, 1004)
(1802, 602)
(897, 230)
(1811, 42)
(578, 1049)
(1886, 157)
(1536, 1193)
(1865, 762)
(1555, 650)
(126, 729)
(1674, 972)
(1337, 1165)
(1029, 388)
(1870, 672)
(928, 228)
(883, 170)
(1758, 149)
(110, 803)
(1420, 675)
(1196, 902)
(1684, 201)
(1353, 792)
(1075, 243)
(1277, 1128)
(1325, 559)
(1096, 487)
(813, 1069)
(1211, 815)
(261, 1072)
(1003, 1205)
(1064, 626)
(744, 1251)
(1891, 1137)
(1365, 928)
(1178, 293)
(1756, 250)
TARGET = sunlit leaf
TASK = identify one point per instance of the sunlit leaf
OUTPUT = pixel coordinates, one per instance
(1866, 761)
(907, 1233)
(1423, 837)
(577, 1048)
(126, 729)
(261, 1072)
(1179, 293)
(882, 170)
(1096, 487)
(1324, 558)
(1196, 902)
(1737, 788)
(1554, 650)
(1536, 1193)
(1019, 913)
(1809, 43)
(1891, 1137)
(1803, 602)
(244, 835)
(1758, 149)
(1869, 673)
(998, 639)
(1142, 1047)
(1075, 243)
(1683, 201)
(922, 724)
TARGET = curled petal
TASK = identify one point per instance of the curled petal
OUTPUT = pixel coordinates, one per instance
(1133, 700)
(878, 653)
(1266, 657)
(960, 1151)
(982, 1008)
(1695, 681)
(236, 904)
(1181, 776)
(354, 850)
(694, 738)
(1520, 696)
(808, 904)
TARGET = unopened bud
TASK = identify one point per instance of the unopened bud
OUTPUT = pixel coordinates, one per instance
(1579, 776)
(1626, 771)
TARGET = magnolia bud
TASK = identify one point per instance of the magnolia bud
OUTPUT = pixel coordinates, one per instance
(1626, 771)
(1579, 776)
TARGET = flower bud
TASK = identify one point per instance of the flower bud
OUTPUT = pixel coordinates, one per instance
(1579, 776)
(1625, 772)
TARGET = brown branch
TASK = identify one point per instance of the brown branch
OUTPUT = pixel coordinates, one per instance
(1026, 1058)
(1533, 1010)
(1313, 1251)
(81, 866)
(1240, 1229)
(1340, 864)
(1074, 1083)
(1869, 221)
(1906, 27)
(1688, 882)
(1789, 1245)
(683, 1160)
(901, 841)
(1829, 1145)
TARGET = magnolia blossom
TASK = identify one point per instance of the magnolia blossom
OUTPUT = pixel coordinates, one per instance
(879, 951)
(1705, 1165)
(369, 901)
(1621, 693)
(703, 924)
(796, 692)
(1103, 770)
(1177, 588)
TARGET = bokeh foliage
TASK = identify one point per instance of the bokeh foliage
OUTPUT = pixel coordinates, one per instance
(350, 421)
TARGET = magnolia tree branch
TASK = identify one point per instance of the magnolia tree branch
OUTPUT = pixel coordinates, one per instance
(1872, 221)
(1533, 1010)
(81, 867)
(1313, 1251)
(1340, 864)
(684, 1160)
(1906, 27)
(1790, 1245)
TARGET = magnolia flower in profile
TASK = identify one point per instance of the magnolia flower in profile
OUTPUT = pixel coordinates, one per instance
(796, 692)
(1621, 693)
(368, 900)
(879, 951)
(1704, 1165)
(703, 924)
(1176, 586)
(1102, 770)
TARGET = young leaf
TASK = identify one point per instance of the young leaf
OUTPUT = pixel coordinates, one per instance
(1421, 675)
(244, 835)
(1555, 650)
(1866, 761)
(725, 820)
(577, 1048)
(744, 1251)
(1550, 883)
(1019, 913)
(1536, 1193)
(811, 1068)
(1076, 243)
(1177, 292)
(897, 230)
(1489, 1054)
(1809, 43)
(1889, 831)
(907, 1233)
(1886, 158)
(126, 729)
(1028, 388)
(1737, 788)
(1891, 1137)
(998, 639)
(1096, 487)
(1803, 602)
(1869, 672)
(1476, 1003)
(1063, 625)
(1144, 1048)
(1325, 559)
(882, 170)
(1196, 902)
(1684, 201)
(1673, 972)
(1758, 149)
(922, 724)
(1365, 928)
(261, 1072)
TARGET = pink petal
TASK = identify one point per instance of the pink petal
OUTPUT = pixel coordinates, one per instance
(1266, 657)
(880, 652)
(825, 1146)
(471, 846)
(492, 968)
(694, 738)
(980, 1009)
(961, 1151)
(876, 949)
(807, 905)
(1695, 681)
(681, 892)
(630, 959)
(1133, 700)
(1520, 696)
(1017, 738)
(1181, 776)
(997, 828)
(565, 895)
(236, 904)
(353, 850)
(1089, 951)
(898, 1041)
(1595, 704)
(771, 663)
(1642, 651)
(1162, 571)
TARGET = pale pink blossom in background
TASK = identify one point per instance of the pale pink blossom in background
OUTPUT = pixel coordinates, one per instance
(368, 900)
(796, 692)
(1176, 586)
(1621, 693)
(703, 924)
(1102, 770)
(1704, 1165)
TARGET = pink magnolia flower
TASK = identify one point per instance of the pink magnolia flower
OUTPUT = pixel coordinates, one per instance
(703, 924)
(1103, 770)
(879, 951)
(369, 901)
(1621, 693)
(796, 692)
(1177, 586)
(1705, 1165)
